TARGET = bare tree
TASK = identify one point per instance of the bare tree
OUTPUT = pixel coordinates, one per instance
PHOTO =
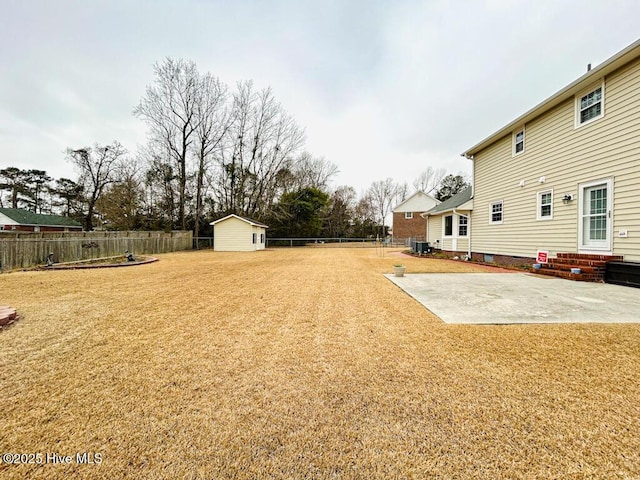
(315, 172)
(262, 139)
(169, 107)
(97, 167)
(402, 192)
(429, 179)
(213, 124)
(383, 195)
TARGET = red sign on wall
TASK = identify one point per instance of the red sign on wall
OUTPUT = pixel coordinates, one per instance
(541, 257)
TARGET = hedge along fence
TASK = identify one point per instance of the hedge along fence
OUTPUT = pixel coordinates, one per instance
(22, 250)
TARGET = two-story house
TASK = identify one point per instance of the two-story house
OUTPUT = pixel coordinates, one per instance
(564, 177)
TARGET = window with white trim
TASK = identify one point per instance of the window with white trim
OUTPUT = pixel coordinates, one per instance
(408, 215)
(448, 226)
(518, 142)
(495, 212)
(255, 238)
(463, 224)
(262, 238)
(590, 106)
(545, 205)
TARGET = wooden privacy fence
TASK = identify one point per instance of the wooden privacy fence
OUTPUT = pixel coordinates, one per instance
(22, 250)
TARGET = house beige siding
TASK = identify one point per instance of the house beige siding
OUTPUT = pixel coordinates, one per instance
(233, 235)
(453, 243)
(608, 148)
(434, 236)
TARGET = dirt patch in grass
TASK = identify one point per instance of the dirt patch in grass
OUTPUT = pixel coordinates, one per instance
(295, 363)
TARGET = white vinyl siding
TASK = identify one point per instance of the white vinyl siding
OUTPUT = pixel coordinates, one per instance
(235, 235)
(435, 231)
(438, 232)
(565, 157)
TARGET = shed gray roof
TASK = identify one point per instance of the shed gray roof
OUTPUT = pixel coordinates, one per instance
(458, 199)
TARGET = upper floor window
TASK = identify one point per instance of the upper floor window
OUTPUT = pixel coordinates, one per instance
(463, 224)
(495, 212)
(518, 142)
(590, 106)
(408, 215)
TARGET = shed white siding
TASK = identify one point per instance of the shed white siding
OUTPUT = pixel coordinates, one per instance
(234, 234)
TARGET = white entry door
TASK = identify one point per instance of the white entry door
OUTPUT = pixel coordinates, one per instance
(595, 222)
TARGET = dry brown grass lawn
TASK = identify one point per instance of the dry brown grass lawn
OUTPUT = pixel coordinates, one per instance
(302, 363)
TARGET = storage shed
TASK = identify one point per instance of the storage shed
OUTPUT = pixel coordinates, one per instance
(238, 234)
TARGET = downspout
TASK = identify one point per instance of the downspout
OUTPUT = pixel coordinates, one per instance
(468, 217)
(473, 184)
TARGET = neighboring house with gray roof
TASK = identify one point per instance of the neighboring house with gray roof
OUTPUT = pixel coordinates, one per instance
(18, 220)
(449, 224)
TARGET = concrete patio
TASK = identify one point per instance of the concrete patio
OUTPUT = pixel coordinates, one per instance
(511, 298)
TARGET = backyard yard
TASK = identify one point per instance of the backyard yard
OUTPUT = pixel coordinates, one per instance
(300, 363)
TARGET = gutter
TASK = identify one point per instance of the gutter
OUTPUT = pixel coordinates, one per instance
(625, 56)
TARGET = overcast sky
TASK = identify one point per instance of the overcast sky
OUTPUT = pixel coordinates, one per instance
(382, 88)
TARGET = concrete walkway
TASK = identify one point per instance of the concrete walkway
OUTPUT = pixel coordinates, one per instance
(506, 298)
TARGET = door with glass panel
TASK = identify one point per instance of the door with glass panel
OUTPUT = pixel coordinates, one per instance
(595, 216)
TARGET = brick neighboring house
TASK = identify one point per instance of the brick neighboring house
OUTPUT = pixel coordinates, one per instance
(407, 222)
(18, 220)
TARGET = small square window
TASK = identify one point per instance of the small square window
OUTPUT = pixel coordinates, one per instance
(463, 224)
(408, 215)
(518, 142)
(496, 211)
(590, 106)
(545, 205)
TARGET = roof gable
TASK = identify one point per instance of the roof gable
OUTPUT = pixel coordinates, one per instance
(25, 217)
(608, 66)
(251, 222)
(418, 202)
